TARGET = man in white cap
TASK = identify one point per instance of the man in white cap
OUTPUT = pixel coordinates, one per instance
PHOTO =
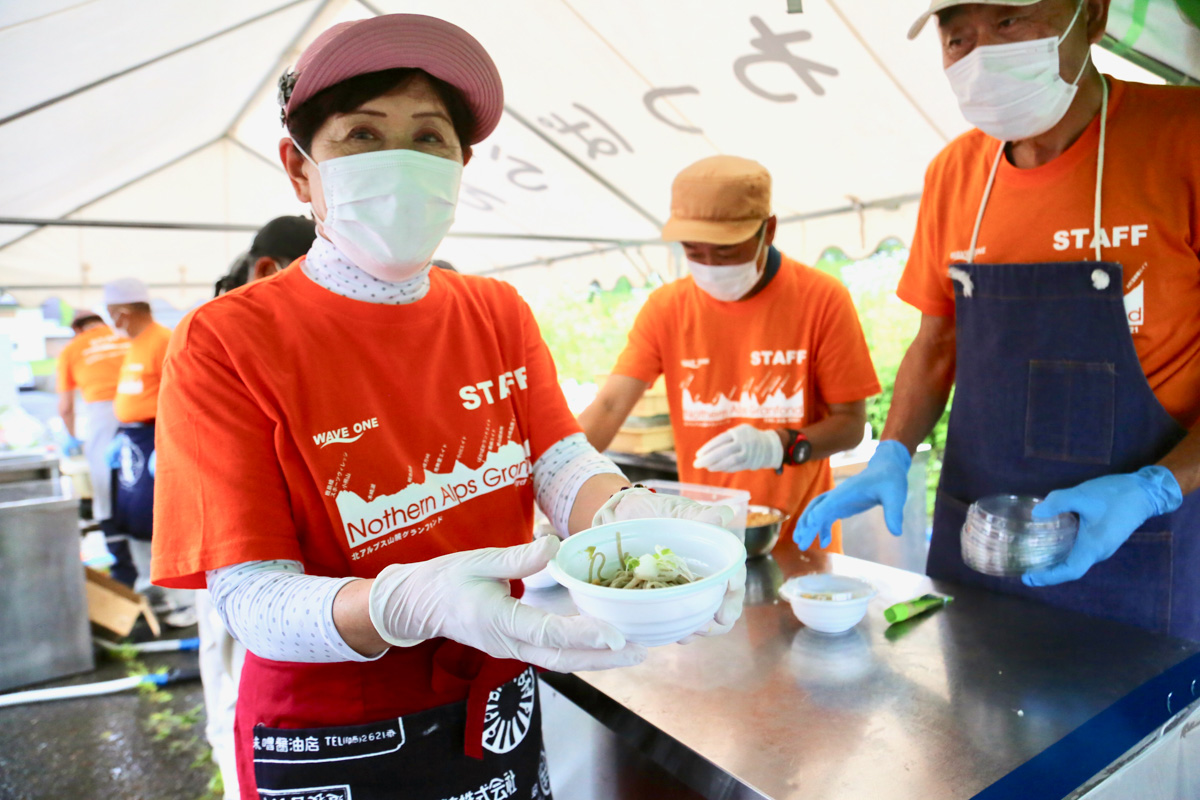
(136, 406)
(1056, 263)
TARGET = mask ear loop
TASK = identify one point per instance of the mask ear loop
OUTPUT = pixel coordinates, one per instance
(309, 159)
(762, 240)
(1074, 19)
(1100, 160)
(1063, 38)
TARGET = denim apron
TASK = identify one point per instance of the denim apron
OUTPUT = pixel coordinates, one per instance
(133, 495)
(1050, 393)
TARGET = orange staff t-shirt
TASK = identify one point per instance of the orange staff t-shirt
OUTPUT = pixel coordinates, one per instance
(141, 373)
(298, 424)
(1150, 224)
(776, 360)
(91, 363)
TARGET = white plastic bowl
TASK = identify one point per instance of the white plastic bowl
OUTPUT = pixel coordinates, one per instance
(828, 616)
(652, 617)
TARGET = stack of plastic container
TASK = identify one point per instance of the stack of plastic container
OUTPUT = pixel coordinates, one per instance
(1001, 537)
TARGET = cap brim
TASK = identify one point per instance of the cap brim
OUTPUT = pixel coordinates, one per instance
(935, 8)
(916, 27)
(710, 231)
(392, 41)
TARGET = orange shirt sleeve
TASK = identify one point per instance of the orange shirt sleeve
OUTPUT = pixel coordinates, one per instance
(219, 494)
(842, 364)
(66, 364)
(925, 283)
(642, 356)
(550, 419)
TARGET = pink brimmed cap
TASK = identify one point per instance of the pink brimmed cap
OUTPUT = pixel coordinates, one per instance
(392, 41)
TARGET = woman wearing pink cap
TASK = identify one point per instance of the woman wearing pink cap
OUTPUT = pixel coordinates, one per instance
(349, 453)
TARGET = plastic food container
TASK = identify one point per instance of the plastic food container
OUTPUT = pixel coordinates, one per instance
(737, 499)
(652, 616)
(1000, 536)
(828, 603)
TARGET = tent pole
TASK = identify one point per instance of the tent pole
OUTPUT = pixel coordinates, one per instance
(248, 228)
(890, 203)
(1149, 63)
(122, 73)
(166, 165)
(86, 286)
(325, 10)
(251, 151)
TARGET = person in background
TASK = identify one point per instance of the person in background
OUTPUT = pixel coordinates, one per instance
(1056, 264)
(766, 366)
(277, 244)
(357, 490)
(131, 453)
(91, 363)
(236, 276)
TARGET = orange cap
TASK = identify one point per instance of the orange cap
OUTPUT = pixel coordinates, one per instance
(719, 200)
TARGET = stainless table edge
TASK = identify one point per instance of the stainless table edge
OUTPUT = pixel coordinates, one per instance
(683, 763)
(974, 607)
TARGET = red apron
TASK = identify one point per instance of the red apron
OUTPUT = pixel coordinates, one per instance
(438, 720)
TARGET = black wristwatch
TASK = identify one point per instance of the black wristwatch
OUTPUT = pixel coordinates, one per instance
(798, 448)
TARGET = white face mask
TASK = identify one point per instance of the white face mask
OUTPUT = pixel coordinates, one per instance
(1014, 91)
(117, 329)
(731, 282)
(388, 211)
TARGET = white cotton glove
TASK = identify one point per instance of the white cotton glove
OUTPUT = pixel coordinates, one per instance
(465, 597)
(739, 448)
(641, 503)
(730, 610)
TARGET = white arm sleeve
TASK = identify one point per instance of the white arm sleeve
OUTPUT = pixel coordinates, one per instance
(561, 471)
(279, 613)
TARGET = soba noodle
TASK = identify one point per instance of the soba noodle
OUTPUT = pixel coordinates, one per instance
(657, 570)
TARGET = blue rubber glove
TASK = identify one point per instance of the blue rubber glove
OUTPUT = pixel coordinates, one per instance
(72, 446)
(1110, 509)
(884, 481)
(112, 453)
(152, 462)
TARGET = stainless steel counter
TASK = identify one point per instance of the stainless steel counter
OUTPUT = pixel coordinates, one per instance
(44, 631)
(939, 707)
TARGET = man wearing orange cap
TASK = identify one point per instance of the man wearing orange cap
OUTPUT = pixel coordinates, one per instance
(766, 366)
(90, 363)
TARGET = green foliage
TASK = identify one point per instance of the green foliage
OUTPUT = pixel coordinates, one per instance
(889, 325)
(586, 332)
(172, 727)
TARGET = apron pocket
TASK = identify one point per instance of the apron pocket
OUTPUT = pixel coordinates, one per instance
(417, 757)
(1070, 410)
(1133, 586)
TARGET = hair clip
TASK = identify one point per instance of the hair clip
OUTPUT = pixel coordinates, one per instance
(287, 82)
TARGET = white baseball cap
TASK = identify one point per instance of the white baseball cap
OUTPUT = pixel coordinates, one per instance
(125, 290)
(938, 5)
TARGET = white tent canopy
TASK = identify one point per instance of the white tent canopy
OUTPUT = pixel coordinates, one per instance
(164, 112)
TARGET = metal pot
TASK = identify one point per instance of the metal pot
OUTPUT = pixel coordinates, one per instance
(760, 539)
